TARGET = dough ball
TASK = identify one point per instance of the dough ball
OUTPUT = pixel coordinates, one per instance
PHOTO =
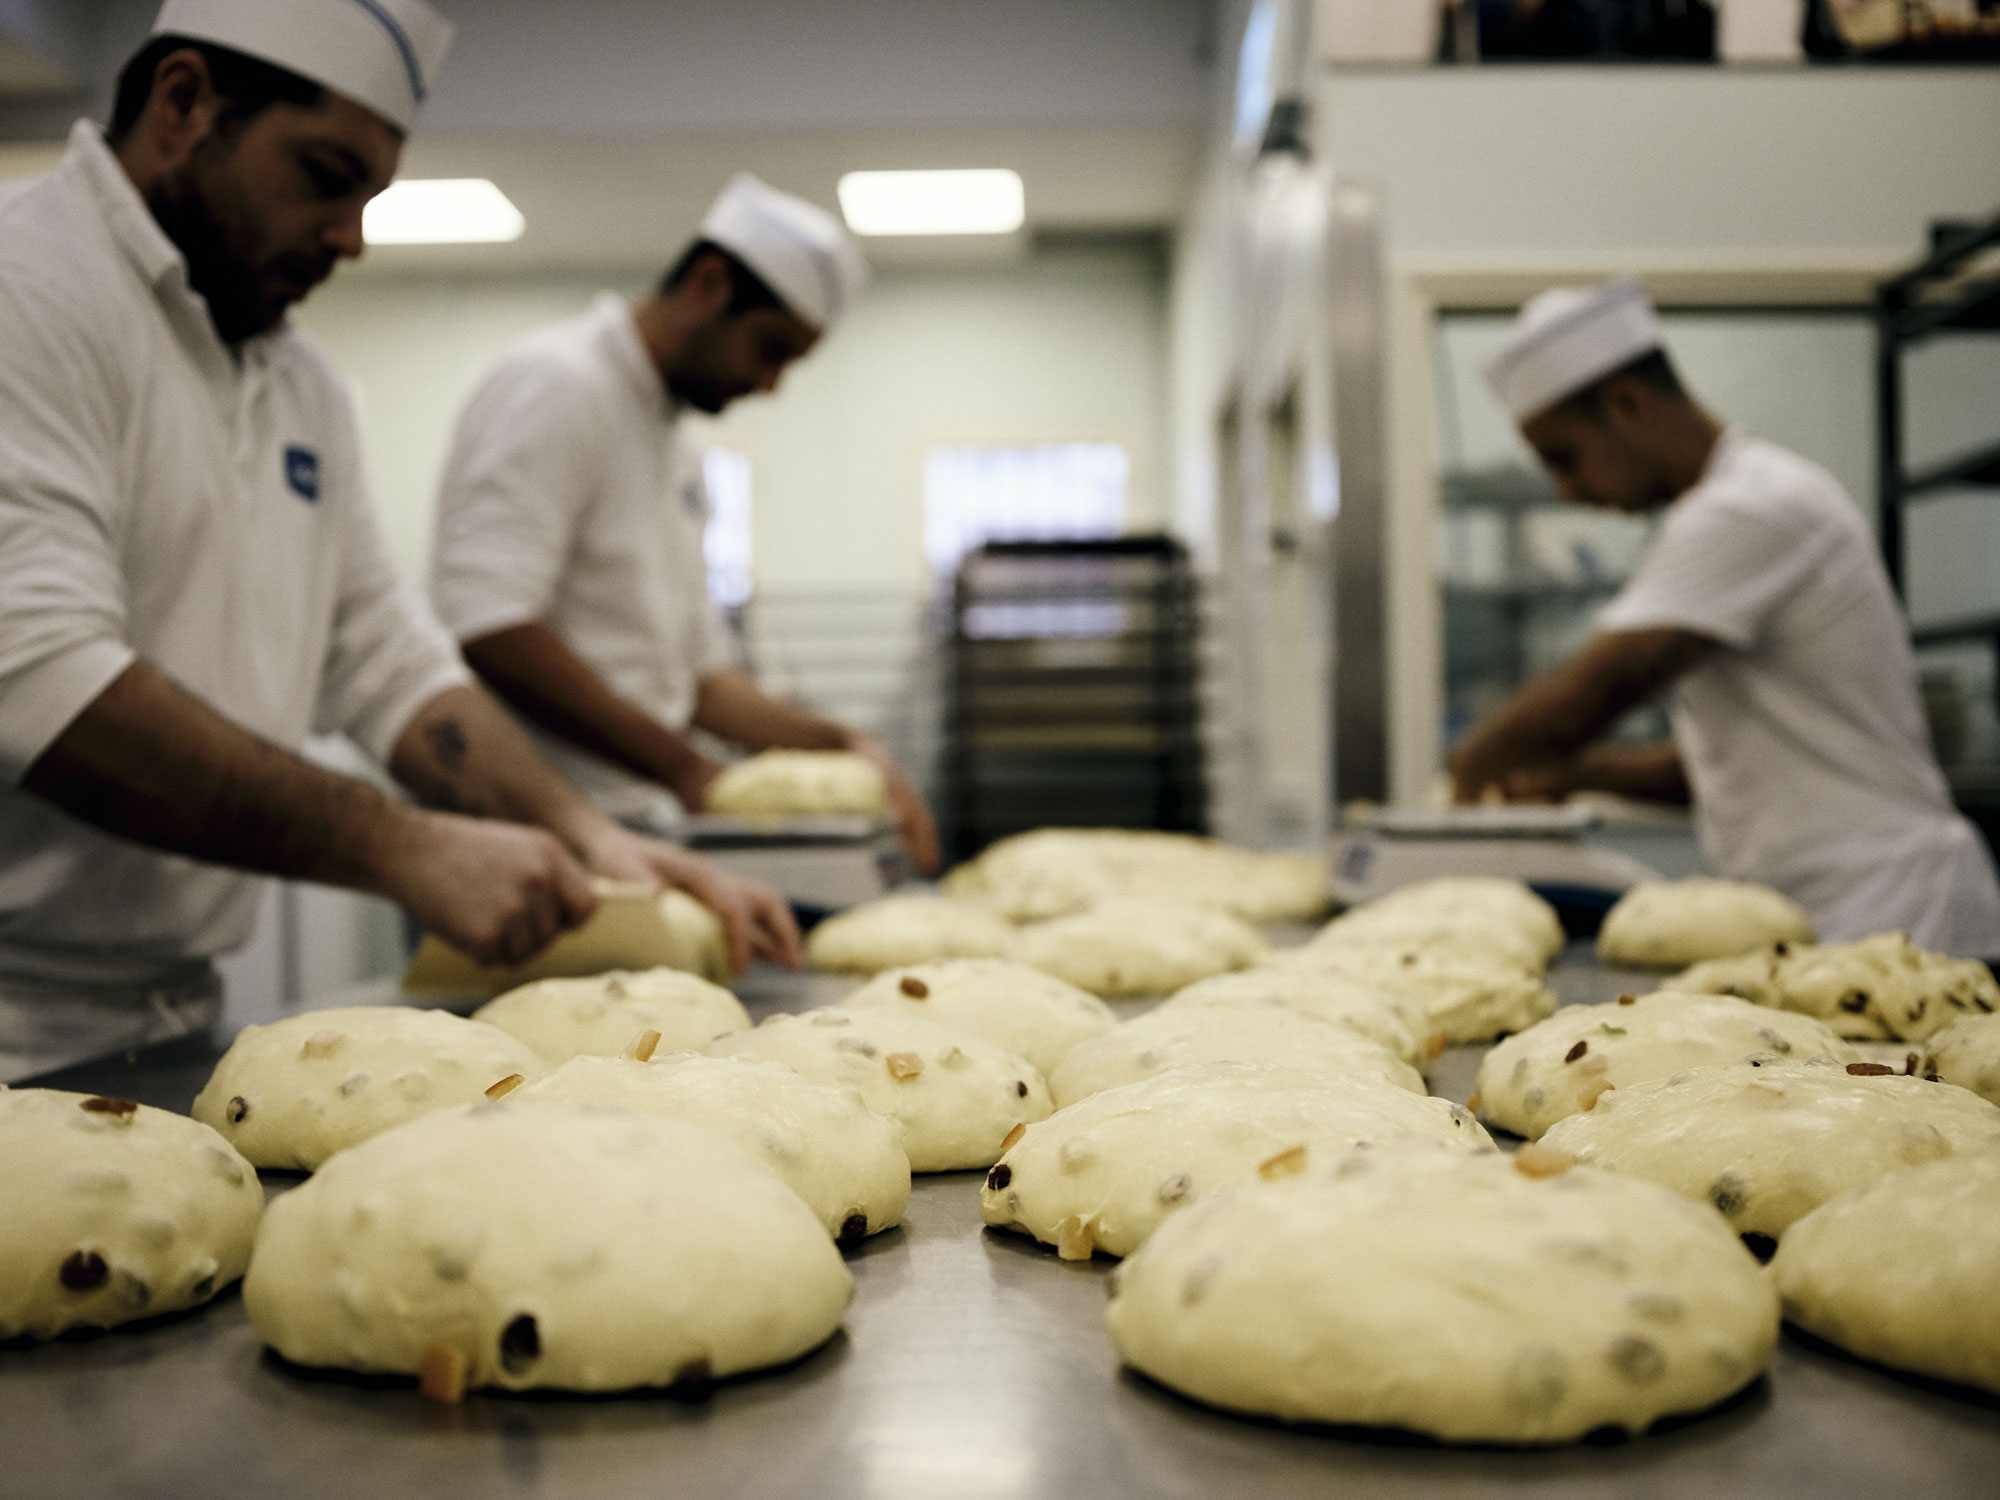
(528, 1244)
(1967, 1053)
(1103, 1173)
(1903, 1270)
(1485, 910)
(114, 1211)
(1564, 1065)
(1164, 1039)
(1667, 924)
(1467, 992)
(1058, 872)
(1010, 1005)
(956, 1095)
(1127, 947)
(1768, 1142)
(898, 930)
(1448, 1294)
(292, 1093)
(600, 1016)
(1400, 1025)
(800, 783)
(824, 1143)
(1879, 988)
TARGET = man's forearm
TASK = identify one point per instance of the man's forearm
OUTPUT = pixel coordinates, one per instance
(1653, 772)
(150, 762)
(732, 707)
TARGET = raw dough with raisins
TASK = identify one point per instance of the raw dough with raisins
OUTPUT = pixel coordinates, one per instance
(599, 1016)
(1009, 1004)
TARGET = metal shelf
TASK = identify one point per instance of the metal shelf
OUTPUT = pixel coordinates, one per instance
(1981, 468)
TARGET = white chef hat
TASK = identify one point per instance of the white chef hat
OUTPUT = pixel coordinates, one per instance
(802, 252)
(1568, 337)
(379, 53)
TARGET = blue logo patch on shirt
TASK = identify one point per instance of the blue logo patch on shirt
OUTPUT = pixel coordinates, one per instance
(302, 471)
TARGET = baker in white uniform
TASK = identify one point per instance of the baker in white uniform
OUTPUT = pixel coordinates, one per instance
(568, 555)
(1763, 605)
(191, 579)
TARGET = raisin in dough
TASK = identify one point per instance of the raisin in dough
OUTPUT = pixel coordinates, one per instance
(114, 1211)
(1129, 947)
(1967, 1053)
(1468, 993)
(1903, 1270)
(600, 1016)
(539, 1243)
(799, 783)
(898, 930)
(292, 1093)
(1164, 1039)
(1564, 1065)
(1768, 1142)
(956, 1095)
(1103, 1173)
(1880, 988)
(1448, 1294)
(1399, 1025)
(824, 1143)
(1008, 1004)
(1668, 924)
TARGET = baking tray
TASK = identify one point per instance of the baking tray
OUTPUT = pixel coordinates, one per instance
(973, 1366)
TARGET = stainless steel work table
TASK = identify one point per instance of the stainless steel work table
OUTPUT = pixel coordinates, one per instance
(973, 1366)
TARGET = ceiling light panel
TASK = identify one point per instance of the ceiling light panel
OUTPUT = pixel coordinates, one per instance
(982, 201)
(442, 211)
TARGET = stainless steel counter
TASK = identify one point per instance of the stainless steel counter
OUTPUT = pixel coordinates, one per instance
(973, 1366)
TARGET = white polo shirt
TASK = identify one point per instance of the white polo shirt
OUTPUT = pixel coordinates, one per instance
(573, 496)
(160, 498)
(1803, 738)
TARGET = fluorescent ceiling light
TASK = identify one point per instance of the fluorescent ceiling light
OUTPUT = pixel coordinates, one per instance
(442, 211)
(986, 201)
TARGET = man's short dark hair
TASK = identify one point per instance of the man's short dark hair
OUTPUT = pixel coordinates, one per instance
(748, 292)
(246, 85)
(1653, 368)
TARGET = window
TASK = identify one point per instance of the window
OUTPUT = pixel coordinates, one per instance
(726, 545)
(1049, 492)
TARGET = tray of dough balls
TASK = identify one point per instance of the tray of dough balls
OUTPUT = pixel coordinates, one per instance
(1116, 1196)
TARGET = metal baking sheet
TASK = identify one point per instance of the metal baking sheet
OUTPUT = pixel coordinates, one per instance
(973, 1366)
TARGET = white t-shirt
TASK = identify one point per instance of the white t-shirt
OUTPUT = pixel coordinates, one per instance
(160, 498)
(572, 496)
(1803, 738)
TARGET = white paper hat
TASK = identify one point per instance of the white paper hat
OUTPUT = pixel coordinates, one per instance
(1568, 337)
(803, 252)
(379, 53)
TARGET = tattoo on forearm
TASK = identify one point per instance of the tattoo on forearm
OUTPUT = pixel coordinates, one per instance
(448, 743)
(450, 749)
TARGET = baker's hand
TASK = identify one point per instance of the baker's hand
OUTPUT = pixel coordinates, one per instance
(914, 823)
(690, 784)
(755, 919)
(1549, 781)
(499, 892)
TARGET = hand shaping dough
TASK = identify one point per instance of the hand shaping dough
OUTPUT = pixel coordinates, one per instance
(956, 1095)
(1564, 1065)
(1058, 872)
(292, 1093)
(1967, 1053)
(1449, 1294)
(599, 1017)
(1903, 1270)
(1768, 1142)
(1878, 988)
(1399, 1025)
(1669, 924)
(544, 1244)
(114, 1211)
(1502, 914)
(1468, 993)
(1164, 1039)
(897, 930)
(824, 1143)
(1103, 1173)
(1138, 947)
(799, 783)
(1010, 1005)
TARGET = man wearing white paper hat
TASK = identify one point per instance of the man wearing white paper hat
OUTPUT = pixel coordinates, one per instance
(568, 557)
(1761, 602)
(191, 579)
